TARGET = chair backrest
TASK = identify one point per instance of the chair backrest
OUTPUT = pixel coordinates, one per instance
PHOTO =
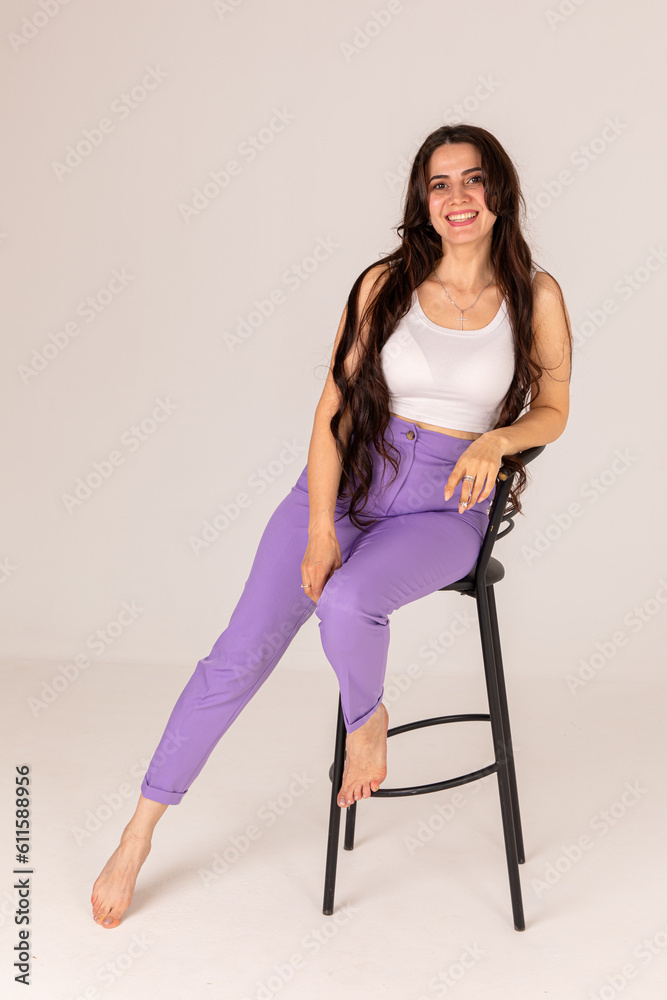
(500, 515)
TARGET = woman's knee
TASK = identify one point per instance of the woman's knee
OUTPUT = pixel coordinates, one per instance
(346, 599)
(335, 598)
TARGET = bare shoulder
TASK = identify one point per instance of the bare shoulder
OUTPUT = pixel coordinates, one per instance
(372, 282)
(545, 287)
(546, 291)
(550, 313)
(551, 325)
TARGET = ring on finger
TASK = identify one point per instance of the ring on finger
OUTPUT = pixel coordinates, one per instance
(464, 503)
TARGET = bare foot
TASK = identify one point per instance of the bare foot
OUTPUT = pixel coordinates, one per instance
(113, 890)
(366, 759)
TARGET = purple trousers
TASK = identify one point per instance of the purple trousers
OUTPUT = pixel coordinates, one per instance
(419, 544)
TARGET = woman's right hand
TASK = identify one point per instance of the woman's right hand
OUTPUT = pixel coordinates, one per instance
(321, 559)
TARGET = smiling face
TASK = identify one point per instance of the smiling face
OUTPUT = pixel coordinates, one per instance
(456, 201)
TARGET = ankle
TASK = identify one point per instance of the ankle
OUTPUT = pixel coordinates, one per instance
(136, 836)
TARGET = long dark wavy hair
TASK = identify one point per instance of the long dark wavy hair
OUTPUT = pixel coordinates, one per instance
(420, 249)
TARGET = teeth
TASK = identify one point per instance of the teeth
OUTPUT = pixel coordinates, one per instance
(462, 215)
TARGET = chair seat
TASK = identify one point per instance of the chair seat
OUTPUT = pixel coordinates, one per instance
(495, 571)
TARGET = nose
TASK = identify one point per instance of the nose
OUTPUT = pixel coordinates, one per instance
(458, 193)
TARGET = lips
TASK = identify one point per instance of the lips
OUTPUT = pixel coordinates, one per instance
(467, 218)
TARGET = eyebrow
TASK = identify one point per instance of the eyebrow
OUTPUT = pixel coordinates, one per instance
(472, 170)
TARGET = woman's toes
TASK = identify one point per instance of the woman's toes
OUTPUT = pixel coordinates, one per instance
(106, 919)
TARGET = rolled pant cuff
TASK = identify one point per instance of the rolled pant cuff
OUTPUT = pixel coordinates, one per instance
(159, 795)
(364, 718)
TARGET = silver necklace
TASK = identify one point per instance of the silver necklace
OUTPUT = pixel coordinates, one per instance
(462, 317)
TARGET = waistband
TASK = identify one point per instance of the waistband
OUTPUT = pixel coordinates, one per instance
(405, 432)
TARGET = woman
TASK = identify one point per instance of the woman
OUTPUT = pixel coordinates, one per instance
(440, 349)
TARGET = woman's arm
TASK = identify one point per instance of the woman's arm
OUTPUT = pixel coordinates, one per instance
(324, 466)
(547, 415)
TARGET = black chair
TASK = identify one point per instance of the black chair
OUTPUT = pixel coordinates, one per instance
(479, 584)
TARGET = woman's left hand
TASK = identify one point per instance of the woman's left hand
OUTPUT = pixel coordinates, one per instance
(482, 460)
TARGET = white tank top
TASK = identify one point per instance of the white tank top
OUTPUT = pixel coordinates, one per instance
(449, 378)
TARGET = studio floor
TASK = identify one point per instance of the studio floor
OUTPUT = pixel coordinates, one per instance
(229, 903)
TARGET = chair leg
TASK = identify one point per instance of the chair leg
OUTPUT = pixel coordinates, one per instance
(348, 843)
(502, 695)
(504, 789)
(334, 814)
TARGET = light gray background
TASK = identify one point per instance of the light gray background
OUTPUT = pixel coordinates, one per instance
(330, 175)
(574, 91)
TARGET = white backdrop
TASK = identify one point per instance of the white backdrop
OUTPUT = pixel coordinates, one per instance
(190, 191)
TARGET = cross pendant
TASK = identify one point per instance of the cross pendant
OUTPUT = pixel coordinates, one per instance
(462, 321)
